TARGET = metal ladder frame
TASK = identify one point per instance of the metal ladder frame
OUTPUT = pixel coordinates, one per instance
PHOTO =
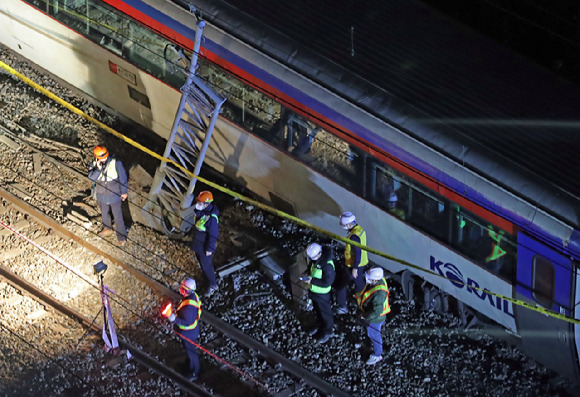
(171, 193)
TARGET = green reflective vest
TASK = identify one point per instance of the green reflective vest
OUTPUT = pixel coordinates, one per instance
(192, 302)
(348, 251)
(316, 272)
(200, 223)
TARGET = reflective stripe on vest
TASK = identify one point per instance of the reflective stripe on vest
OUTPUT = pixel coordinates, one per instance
(316, 272)
(348, 251)
(367, 294)
(191, 302)
(110, 172)
(200, 223)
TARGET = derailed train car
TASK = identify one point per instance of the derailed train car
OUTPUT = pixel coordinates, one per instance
(314, 139)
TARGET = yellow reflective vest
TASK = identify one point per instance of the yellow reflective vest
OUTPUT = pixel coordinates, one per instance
(192, 302)
(349, 251)
(109, 173)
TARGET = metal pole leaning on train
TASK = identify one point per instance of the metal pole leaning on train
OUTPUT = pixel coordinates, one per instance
(266, 207)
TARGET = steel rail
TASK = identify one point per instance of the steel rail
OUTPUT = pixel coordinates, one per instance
(286, 364)
(140, 356)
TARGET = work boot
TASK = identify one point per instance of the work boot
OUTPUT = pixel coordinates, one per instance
(210, 291)
(106, 232)
(342, 310)
(121, 243)
(373, 359)
(313, 332)
(324, 338)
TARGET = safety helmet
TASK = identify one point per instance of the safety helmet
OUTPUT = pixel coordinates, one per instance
(100, 152)
(187, 286)
(314, 251)
(374, 274)
(346, 218)
(392, 199)
(204, 197)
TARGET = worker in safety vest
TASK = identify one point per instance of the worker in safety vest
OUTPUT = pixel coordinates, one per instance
(110, 189)
(319, 278)
(355, 261)
(186, 325)
(205, 236)
(374, 306)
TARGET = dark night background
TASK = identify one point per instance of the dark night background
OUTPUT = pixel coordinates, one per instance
(547, 31)
(430, 70)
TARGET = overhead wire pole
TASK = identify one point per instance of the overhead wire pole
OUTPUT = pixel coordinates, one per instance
(171, 195)
(192, 70)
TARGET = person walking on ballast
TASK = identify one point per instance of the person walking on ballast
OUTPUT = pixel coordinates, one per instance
(110, 180)
(355, 260)
(319, 279)
(205, 236)
(186, 325)
(374, 306)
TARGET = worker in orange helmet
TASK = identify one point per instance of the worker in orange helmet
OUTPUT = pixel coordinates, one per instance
(205, 236)
(110, 184)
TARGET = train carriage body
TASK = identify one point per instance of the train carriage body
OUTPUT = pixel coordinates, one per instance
(315, 149)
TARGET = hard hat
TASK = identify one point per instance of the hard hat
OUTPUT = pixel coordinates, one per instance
(346, 218)
(314, 251)
(392, 200)
(100, 152)
(204, 197)
(376, 273)
(187, 285)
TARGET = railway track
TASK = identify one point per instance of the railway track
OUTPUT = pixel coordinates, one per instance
(24, 215)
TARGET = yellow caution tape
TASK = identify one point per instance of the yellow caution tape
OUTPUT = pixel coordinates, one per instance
(268, 208)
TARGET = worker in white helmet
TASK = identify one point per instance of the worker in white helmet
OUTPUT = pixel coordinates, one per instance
(355, 261)
(186, 325)
(374, 306)
(319, 278)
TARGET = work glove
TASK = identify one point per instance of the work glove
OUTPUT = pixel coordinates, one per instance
(172, 317)
(354, 273)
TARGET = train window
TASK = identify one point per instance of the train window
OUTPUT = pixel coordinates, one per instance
(543, 281)
(492, 248)
(335, 158)
(428, 212)
(388, 190)
(42, 5)
(245, 105)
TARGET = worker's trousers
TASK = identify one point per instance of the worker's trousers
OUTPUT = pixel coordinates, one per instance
(115, 208)
(323, 312)
(206, 263)
(374, 333)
